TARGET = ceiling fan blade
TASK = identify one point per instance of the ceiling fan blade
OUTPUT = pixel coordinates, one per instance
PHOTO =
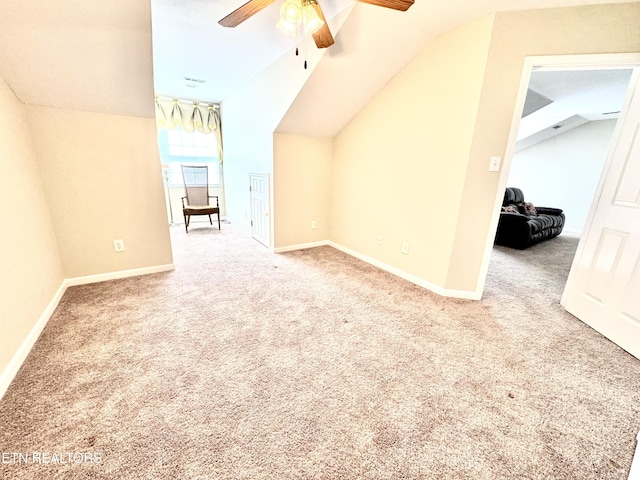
(402, 5)
(246, 11)
(322, 37)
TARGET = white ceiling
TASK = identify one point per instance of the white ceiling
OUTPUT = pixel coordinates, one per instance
(577, 97)
(372, 45)
(96, 55)
(188, 42)
(90, 55)
(600, 85)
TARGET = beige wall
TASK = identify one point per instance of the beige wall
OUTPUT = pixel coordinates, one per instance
(578, 30)
(398, 167)
(103, 181)
(29, 260)
(301, 177)
(413, 164)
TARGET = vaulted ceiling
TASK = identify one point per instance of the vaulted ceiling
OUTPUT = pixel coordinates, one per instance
(97, 55)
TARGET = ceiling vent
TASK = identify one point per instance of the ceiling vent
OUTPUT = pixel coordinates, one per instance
(193, 82)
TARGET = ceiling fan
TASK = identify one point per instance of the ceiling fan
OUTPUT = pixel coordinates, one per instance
(322, 36)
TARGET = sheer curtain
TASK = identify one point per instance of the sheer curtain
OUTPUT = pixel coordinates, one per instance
(190, 116)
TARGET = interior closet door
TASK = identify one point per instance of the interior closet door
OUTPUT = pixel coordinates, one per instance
(260, 218)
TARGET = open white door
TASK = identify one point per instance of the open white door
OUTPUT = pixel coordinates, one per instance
(603, 289)
(259, 190)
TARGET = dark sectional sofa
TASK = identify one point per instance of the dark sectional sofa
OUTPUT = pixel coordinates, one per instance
(522, 225)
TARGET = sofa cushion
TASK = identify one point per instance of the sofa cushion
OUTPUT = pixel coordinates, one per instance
(513, 196)
(514, 218)
(540, 223)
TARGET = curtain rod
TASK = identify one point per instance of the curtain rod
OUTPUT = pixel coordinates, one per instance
(187, 100)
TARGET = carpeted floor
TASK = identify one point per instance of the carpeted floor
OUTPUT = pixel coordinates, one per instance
(242, 364)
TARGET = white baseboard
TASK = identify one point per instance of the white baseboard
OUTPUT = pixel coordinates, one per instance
(407, 276)
(9, 373)
(300, 246)
(20, 356)
(103, 277)
(467, 295)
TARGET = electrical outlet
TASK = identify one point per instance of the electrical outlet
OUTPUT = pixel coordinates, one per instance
(405, 248)
(379, 239)
(314, 225)
(118, 245)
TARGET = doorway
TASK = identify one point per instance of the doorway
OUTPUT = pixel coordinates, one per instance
(533, 67)
(564, 136)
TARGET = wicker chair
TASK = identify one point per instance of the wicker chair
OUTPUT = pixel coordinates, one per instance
(196, 187)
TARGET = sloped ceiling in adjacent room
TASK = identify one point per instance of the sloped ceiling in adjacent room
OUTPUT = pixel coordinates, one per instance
(572, 98)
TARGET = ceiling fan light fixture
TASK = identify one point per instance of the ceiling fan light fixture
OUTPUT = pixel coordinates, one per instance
(310, 19)
(291, 12)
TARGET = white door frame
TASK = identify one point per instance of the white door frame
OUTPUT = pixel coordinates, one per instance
(545, 63)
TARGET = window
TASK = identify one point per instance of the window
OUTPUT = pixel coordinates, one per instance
(178, 147)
